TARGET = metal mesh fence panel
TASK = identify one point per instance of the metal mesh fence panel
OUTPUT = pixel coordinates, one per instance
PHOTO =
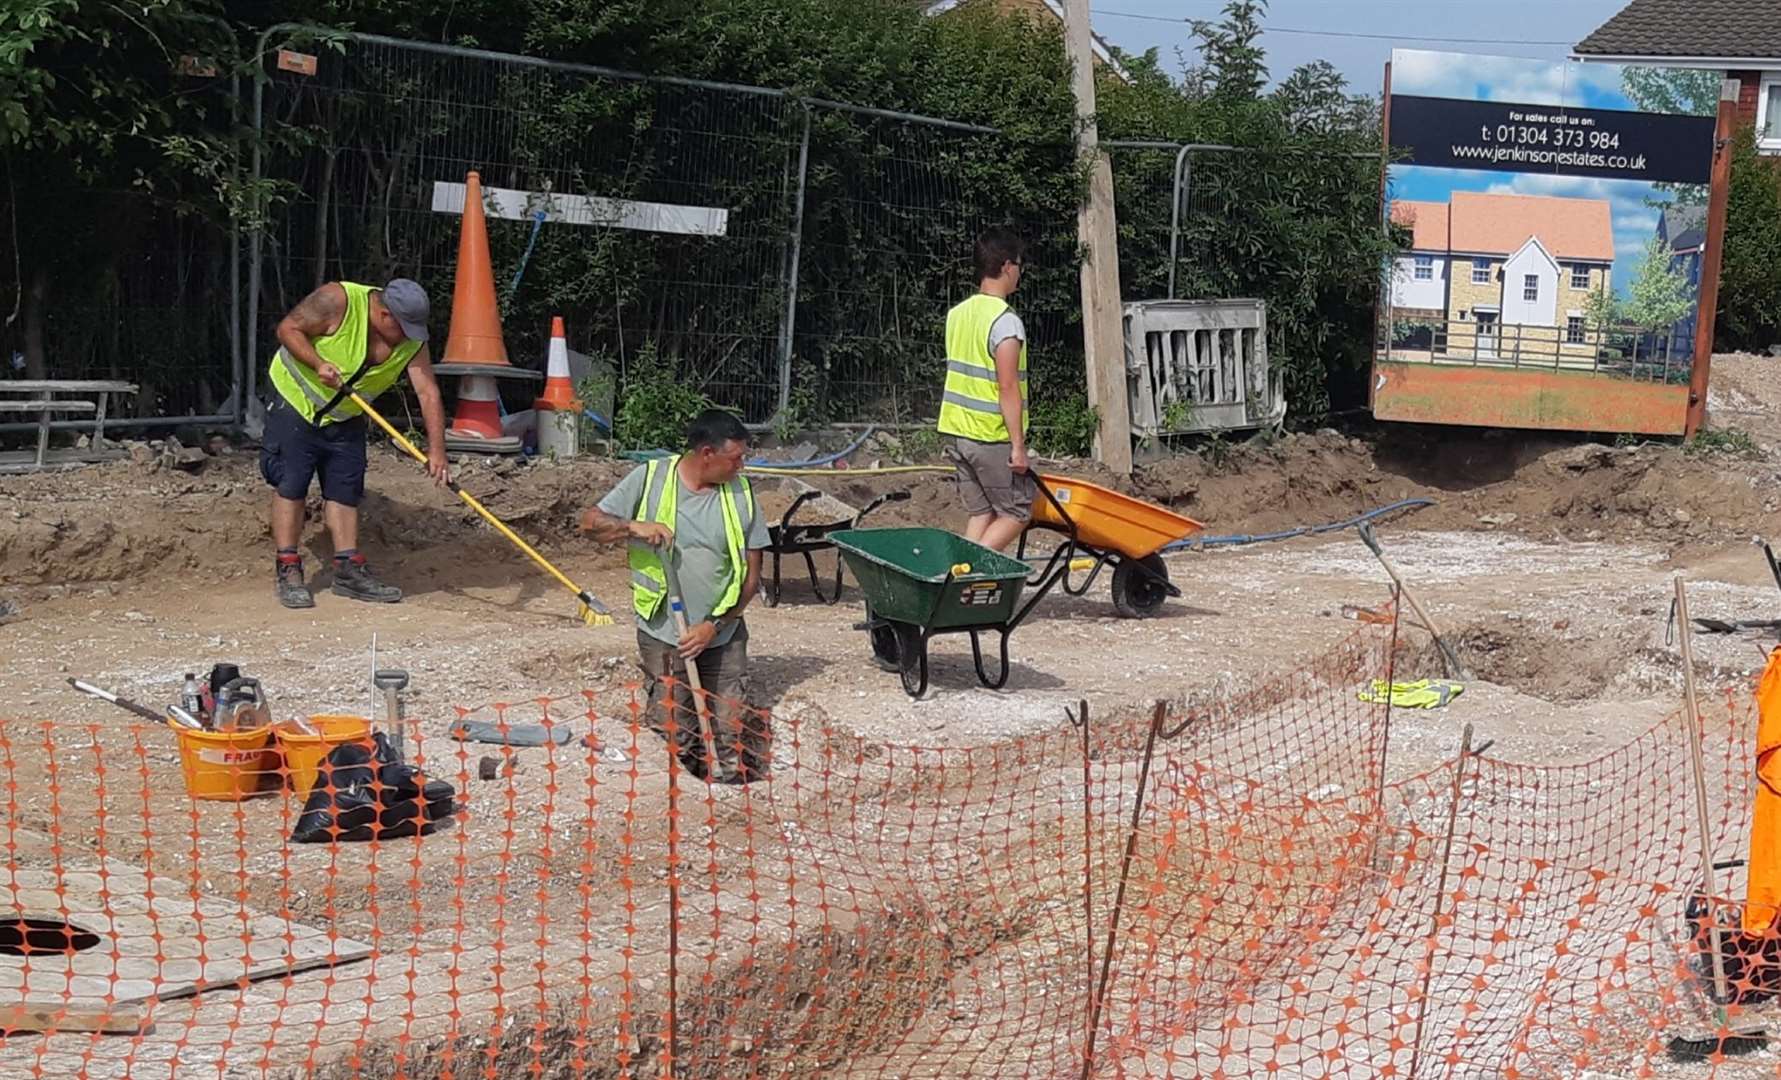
(654, 216)
(154, 300)
(892, 211)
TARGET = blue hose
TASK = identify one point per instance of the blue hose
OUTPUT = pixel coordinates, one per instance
(1199, 542)
(537, 224)
(816, 463)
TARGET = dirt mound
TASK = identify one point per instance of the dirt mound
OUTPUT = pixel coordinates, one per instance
(1577, 490)
(116, 522)
(121, 521)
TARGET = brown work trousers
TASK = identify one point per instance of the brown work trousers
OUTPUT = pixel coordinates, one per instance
(742, 735)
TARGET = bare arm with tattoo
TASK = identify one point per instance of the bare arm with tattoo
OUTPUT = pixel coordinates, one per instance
(316, 316)
(612, 530)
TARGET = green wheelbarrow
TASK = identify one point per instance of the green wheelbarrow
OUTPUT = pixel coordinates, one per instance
(920, 583)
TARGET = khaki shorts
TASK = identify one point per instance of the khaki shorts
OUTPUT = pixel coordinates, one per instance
(987, 485)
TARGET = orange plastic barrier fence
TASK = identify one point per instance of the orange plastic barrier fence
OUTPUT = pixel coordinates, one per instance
(1229, 885)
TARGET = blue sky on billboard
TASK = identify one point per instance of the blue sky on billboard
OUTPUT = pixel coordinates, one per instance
(1507, 78)
(1635, 205)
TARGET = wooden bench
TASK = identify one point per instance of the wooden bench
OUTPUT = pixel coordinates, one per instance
(42, 401)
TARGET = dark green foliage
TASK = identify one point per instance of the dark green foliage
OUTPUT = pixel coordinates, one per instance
(890, 206)
(1750, 270)
(1293, 220)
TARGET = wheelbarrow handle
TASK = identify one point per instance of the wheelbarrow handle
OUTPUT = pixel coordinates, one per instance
(887, 497)
(785, 520)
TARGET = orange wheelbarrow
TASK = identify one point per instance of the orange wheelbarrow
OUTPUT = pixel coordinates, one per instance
(1114, 530)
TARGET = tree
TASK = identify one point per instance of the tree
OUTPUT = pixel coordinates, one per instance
(110, 114)
(1750, 268)
(1660, 296)
(1680, 91)
(1232, 64)
(1602, 309)
(1672, 90)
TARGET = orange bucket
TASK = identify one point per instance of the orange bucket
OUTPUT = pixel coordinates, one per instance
(304, 754)
(227, 765)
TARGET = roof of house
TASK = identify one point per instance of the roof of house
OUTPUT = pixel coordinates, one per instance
(1427, 221)
(1695, 29)
(1683, 227)
(1474, 222)
(1103, 52)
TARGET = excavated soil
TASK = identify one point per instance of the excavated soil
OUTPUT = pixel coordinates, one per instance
(1549, 560)
(120, 522)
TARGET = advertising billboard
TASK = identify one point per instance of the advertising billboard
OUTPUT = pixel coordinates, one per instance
(1550, 215)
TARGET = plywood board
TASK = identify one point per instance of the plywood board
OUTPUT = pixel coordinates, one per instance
(515, 205)
(124, 1018)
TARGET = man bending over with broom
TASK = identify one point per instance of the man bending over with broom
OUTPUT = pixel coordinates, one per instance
(344, 338)
(693, 526)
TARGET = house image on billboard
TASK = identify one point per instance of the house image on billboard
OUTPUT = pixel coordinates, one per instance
(1500, 278)
(1683, 232)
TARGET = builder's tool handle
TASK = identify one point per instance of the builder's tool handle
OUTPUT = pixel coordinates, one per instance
(677, 606)
(470, 500)
(1447, 654)
(121, 702)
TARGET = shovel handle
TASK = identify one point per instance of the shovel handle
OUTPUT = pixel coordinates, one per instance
(121, 702)
(473, 503)
(678, 608)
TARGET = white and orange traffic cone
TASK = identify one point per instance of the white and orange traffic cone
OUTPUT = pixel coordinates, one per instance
(559, 414)
(559, 390)
(478, 415)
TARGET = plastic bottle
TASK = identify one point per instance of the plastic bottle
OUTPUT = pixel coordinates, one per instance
(190, 698)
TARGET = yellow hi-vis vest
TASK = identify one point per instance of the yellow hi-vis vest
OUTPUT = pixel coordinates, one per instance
(972, 404)
(345, 348)
(661, 494)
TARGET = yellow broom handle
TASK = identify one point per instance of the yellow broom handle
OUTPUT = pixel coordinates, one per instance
(464, 495)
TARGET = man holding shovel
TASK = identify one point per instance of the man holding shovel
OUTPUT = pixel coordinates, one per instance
(694, 529)
(344, 338)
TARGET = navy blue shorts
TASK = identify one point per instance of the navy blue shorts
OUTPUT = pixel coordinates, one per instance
(293, 452)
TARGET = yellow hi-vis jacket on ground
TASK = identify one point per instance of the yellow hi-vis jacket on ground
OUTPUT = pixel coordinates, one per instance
(972, 404)
(345, 348)
(661, 495)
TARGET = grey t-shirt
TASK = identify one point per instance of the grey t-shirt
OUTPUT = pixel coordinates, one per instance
(701, 556)
(1007, 325)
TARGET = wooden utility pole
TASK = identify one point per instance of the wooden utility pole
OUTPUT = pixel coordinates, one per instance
(1717, 197)
(1103, 317)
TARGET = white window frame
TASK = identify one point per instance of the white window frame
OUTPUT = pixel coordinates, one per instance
(1575, 330)
(1481, 267)
(1422, 267)
(1766, 145)
(1578, 270)
(1530, 288)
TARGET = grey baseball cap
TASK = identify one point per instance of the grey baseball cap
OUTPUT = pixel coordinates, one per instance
(407, 301)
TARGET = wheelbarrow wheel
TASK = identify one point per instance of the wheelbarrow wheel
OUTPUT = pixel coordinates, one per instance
(1140, 587)
(886, 652)
(912, 665)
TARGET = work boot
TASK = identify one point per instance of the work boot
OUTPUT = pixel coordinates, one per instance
(289, 585)
(353, 578)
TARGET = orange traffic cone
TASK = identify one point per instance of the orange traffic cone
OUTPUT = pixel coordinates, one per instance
(478, 415)
(559, 391)
(475, 334)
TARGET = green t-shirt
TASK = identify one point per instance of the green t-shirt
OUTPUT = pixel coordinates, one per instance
(701, 556)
